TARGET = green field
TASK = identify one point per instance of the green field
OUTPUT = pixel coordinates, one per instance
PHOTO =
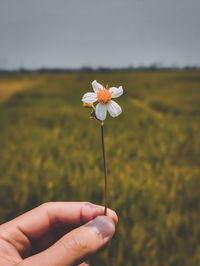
(51, 151)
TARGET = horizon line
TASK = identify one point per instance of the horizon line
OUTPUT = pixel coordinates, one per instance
(98, 69)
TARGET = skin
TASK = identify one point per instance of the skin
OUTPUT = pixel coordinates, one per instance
(56, 234)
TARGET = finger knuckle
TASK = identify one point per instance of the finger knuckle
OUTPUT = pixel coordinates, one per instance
(79, 243)
(4, 234)
(46, 205)
(76, 243)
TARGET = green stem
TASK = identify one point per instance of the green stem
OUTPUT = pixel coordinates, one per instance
(105, 170)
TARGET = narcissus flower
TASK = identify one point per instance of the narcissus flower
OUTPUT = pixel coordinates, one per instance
(104, 96)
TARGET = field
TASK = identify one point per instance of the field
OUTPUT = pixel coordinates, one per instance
(51, 151)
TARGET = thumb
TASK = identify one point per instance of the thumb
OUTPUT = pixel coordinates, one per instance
(77, 245)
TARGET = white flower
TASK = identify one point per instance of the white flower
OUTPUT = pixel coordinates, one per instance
(103, 96)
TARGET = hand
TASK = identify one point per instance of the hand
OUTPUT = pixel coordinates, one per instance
(56, 234)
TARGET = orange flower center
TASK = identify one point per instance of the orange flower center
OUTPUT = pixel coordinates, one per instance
(104, 96)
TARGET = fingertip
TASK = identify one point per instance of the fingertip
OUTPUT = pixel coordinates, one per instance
(103, 225)
(112, 214)
(89, 211)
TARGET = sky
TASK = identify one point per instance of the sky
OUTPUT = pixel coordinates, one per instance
(107, 33)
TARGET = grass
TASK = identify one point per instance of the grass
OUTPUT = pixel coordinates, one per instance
(51, 151)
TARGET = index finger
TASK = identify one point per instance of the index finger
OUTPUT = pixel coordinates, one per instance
(38, 221)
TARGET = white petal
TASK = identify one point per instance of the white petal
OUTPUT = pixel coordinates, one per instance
(89, 97)
(116, 92)
(101, 111)
(96, 86)
(114, 109)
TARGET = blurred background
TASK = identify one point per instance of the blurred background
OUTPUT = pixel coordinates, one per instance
(50, 52)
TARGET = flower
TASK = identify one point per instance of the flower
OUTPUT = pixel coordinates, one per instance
(104, 96)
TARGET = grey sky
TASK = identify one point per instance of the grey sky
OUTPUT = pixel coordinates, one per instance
(116, 33)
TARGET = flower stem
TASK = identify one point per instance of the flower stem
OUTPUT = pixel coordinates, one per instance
(105, 170)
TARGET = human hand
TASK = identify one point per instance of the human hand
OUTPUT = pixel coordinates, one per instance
(56, 234)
